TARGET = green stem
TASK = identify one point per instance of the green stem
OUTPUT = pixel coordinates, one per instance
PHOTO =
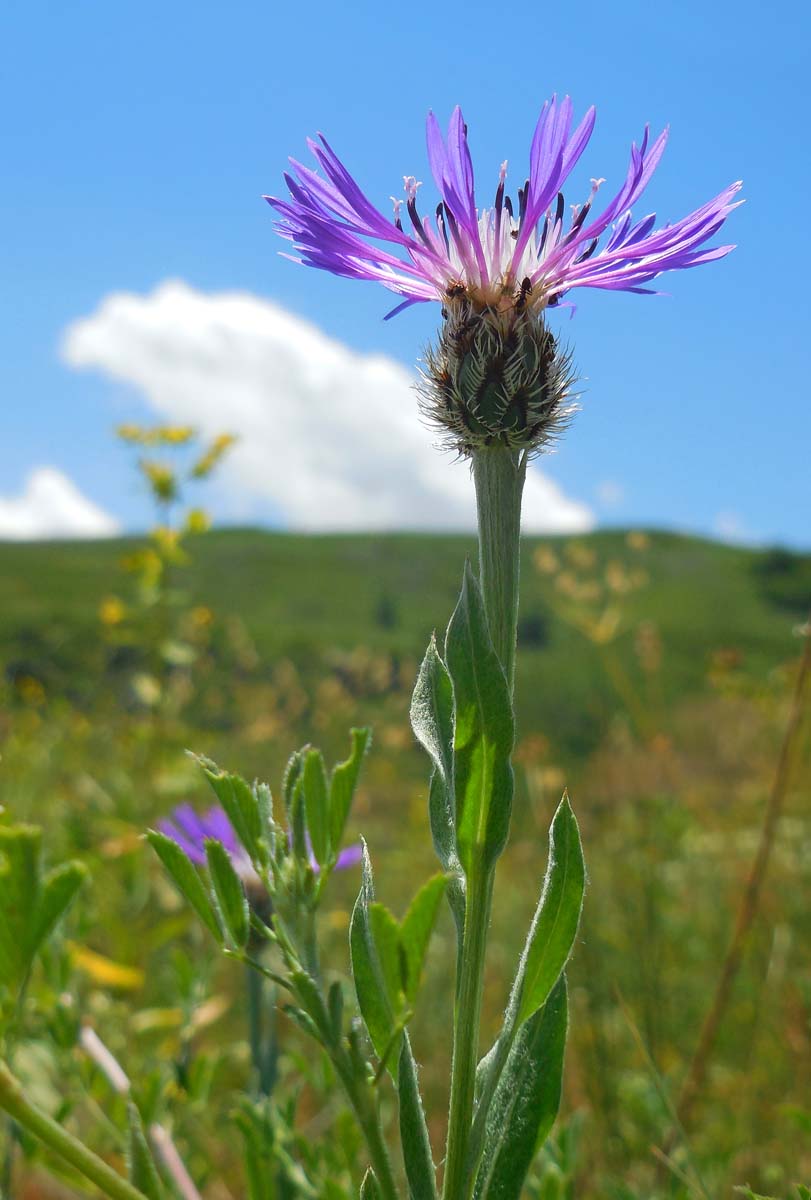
(15, 1103)
(363, 1099)
(467, 1014)
(261, 1031)
(499, 476)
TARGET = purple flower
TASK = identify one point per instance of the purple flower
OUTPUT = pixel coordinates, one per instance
(191, 830)
(525, 256)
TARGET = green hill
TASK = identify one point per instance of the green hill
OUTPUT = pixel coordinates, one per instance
(311, 597)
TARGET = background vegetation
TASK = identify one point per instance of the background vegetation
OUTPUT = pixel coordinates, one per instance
(655, 677)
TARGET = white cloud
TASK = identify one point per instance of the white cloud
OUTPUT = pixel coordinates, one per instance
(51, 506)
(329, 438)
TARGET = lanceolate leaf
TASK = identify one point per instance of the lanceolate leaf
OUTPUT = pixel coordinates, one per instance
(419, 1163)
(416, 929)
(387, 960)
(230, 894)
(316, 804)
(186, 879)
(526, 1101)
(241, 806)
(432, 711)
(19, 892)
(483, 733)
(367, 969)
(554, 925)
(370, 1188)
(30, 906)
(342, 786)
(59, 889)
(432, 722)
(386, 936)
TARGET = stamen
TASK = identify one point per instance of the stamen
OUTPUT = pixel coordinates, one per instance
(416, 222)
(577, 222)
(544, 235)
(498, 207)
(398, 204)
(523, 194)
(502, 174)
(559, 209)
(410, 185)
(587, 253)
(442, 227)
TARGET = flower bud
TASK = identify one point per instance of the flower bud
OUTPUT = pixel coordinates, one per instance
(496, 377)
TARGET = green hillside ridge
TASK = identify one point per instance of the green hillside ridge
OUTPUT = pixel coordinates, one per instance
(304, 596)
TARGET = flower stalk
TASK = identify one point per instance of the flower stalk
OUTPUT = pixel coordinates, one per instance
(466, 1021)
(499, 474)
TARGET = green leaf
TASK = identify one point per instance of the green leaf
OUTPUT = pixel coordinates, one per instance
(231, 899)
(19, 899)
(432, 722)
(316, 804)
(241, 806)
(59, 889)
(416, 929)
(372, 970)
(483, 732)
(554, 926)
(142, 1172)
(186, 879)
(292, 773)
(370, 1188)
(526, 1101)
(342, 786)
(298, 823)
(387, 959)
(386, 935)
(419, 1163)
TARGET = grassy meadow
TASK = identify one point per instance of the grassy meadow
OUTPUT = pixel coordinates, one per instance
(654, 681)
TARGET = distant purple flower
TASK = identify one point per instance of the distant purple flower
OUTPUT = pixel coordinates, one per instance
(191, 830)
(529, 255)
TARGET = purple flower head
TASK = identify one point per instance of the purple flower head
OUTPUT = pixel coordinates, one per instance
(191, 830)
(524, 256)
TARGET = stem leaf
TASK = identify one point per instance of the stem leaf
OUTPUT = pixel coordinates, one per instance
(375, 967)
(229, 892)
(554, 926)
(370, 1188)
(416, 929)
(432, 722)
(185, 879)
(316, 804)
(419, 1163)
(59, 889)
(242, 808)
(343, 783)
(526, 1101)
(483, 732)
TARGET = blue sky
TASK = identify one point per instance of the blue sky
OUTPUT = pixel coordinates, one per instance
(139, 139)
